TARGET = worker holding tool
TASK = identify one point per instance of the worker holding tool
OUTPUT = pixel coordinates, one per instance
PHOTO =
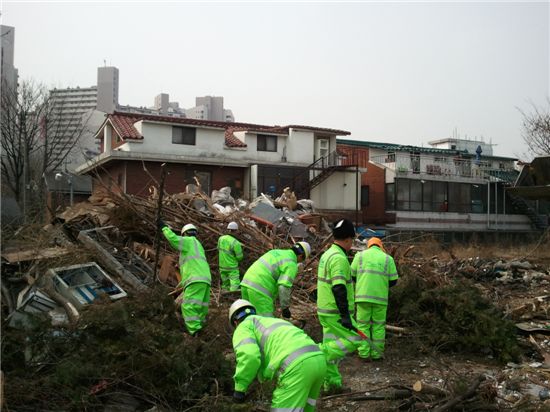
(230, 253)
(272, 275)
(195, 275)
(269, 348)
(376, 273)
(335, 303)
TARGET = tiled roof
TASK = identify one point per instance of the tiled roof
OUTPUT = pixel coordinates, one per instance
(124, 126)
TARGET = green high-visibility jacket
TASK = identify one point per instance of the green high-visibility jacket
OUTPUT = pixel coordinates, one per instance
(265, 347)
(193, 264)
(374, 269)
(230, 253)
(334, 269)
(278, 267)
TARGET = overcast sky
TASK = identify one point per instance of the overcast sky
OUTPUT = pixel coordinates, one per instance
(392, 72)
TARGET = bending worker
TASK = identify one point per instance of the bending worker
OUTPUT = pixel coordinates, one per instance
(376, 273)
(195, 275)
(335, 303)
(270, 347)
(230, 253)
(272, 275)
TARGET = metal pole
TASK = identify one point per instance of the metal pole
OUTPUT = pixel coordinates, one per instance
(488, 204)
(356, 192)
(496, 205)
(71, 189)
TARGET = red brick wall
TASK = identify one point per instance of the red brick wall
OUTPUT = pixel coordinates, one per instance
(374, 213)
(138, 181)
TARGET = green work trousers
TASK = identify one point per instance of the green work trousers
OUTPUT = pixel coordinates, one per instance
(371, 320)
(300, 384)
(230, 279)
(263, 304)
(194, 306)
(337, 343)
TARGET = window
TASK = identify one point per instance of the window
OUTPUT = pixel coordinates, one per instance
(390, 158)
(184, 135)
(390, 196)
(267, 143)
(364, 196)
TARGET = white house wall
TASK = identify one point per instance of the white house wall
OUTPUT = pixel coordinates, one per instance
(338, 191)
(210, 143)
(300, 147)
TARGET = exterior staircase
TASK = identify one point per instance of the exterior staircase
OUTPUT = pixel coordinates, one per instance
(523, 207)
(321, 170)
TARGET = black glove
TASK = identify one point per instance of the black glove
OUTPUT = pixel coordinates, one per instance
(346, 323)
(238, 397)
(286, 313)
(341, 298)
(160, 223)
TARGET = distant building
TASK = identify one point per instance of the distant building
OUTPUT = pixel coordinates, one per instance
(78, 112)
(8, 72)
(470, 146)
(107, 89)
(210, 108)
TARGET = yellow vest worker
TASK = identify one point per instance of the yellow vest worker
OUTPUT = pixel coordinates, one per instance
(375, 272)
(270, 348)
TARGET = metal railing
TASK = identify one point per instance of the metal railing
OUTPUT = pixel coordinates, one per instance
(443, 167)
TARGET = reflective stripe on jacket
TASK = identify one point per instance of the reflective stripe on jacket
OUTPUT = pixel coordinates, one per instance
(230, 253)
(275, 268)
(193, 264)
(374, 269)
(265, 347)
(334, 269)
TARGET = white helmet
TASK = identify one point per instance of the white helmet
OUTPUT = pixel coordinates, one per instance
(233, 226)
(306, 248)
(188, 227)
(238, 309)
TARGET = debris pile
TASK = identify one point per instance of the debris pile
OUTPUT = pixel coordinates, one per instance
(63, 328)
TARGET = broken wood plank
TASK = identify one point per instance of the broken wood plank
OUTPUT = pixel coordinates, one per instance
(110, 262)
(33, 254)
(425, 388)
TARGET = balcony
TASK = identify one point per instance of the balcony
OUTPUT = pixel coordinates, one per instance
(442, 168)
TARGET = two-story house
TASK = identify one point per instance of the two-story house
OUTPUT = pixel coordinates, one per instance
(250, 158)
(449, 187)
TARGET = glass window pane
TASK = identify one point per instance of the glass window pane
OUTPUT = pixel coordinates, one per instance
(427, 196)
(403, 187)
(416, 195)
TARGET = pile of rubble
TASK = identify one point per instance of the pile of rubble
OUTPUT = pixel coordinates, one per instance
(93, 279)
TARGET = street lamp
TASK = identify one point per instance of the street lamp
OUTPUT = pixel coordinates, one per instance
(59, 176)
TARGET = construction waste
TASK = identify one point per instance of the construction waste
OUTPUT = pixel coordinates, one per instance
(89, 320)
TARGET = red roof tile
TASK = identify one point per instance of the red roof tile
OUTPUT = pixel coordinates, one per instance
(124, 126)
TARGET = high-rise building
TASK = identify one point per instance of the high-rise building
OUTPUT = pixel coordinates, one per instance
(210, 108)
(8, 72)
(78, 112)
(107, 89)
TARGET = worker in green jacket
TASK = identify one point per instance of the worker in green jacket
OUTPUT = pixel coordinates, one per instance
(230, 253)
(272, 276)
(375, 272)
(195, 275)
(267, 348)
(335, 303)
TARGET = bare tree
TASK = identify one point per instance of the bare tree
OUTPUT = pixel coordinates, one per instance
(536, 129)
(38, 133)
